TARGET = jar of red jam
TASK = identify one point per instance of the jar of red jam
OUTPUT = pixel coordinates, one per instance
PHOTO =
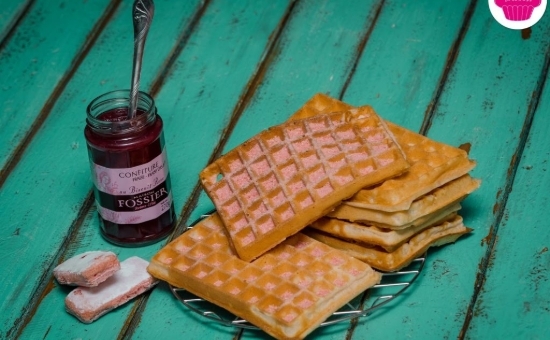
(129, 169)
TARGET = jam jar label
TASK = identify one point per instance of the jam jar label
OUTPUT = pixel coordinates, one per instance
(133, 195)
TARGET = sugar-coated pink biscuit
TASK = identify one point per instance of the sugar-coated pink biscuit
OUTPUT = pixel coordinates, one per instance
(89, 303)
(87, 269)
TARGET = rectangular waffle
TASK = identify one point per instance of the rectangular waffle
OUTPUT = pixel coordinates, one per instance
(378, 258)
(371, 234)
(420, 210)
(282, 179)
(287, 291)
(432, 164)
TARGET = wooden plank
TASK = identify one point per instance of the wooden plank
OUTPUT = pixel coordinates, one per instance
(514, 301)
(10, 13)
(35, 62)
(478, 105)
(405, 58)
(224, 48)
(42, 197)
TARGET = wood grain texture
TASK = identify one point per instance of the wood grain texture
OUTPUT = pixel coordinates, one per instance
(47, 189)
(11, 12)
(405, 58)
(514, 301)
(35, 61)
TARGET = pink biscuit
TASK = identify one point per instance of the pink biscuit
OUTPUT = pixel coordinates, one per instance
(87, 269)
(89, 303)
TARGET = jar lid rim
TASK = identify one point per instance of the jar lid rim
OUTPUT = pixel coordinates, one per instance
(120, 99)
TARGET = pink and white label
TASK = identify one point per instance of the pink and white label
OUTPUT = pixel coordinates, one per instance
(133, 195)
(131, 181)
(135, 217)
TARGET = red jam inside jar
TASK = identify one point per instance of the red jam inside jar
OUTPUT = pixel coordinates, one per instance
(129, 168)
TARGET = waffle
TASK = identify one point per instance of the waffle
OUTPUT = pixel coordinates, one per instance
(432, 164)
(279, 181)
(287, 291)
(378, 258)
(385, 238)
(320, 104)
(87, 269)
(421, 209)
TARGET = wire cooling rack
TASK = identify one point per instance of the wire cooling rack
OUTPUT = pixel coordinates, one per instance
(390, 287)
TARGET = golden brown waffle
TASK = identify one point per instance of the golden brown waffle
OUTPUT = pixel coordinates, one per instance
(438, 200)
(279, 181)
(385, 238)
(287, 292)
(432, 164)
(320, 104)
(378, 258)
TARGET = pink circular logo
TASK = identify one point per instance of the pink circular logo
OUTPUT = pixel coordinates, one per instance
(517, 14)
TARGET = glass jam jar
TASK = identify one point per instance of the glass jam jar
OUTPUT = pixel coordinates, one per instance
(129, 169)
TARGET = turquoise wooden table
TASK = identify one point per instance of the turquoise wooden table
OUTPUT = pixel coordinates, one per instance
(221, 71)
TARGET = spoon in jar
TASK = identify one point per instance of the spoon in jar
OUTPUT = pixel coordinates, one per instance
(142, 14)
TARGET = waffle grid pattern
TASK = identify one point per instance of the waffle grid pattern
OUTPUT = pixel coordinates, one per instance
(271, 178)
(288, 285)
(432, 163)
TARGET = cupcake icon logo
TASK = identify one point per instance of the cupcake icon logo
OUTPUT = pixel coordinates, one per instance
(517, 14)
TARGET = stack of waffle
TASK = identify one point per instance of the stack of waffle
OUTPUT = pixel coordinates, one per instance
(330, 164)
(390, 224)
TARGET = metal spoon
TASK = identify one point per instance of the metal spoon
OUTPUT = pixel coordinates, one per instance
(142, 14)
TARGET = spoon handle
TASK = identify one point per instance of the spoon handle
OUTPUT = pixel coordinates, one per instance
(142, 14)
